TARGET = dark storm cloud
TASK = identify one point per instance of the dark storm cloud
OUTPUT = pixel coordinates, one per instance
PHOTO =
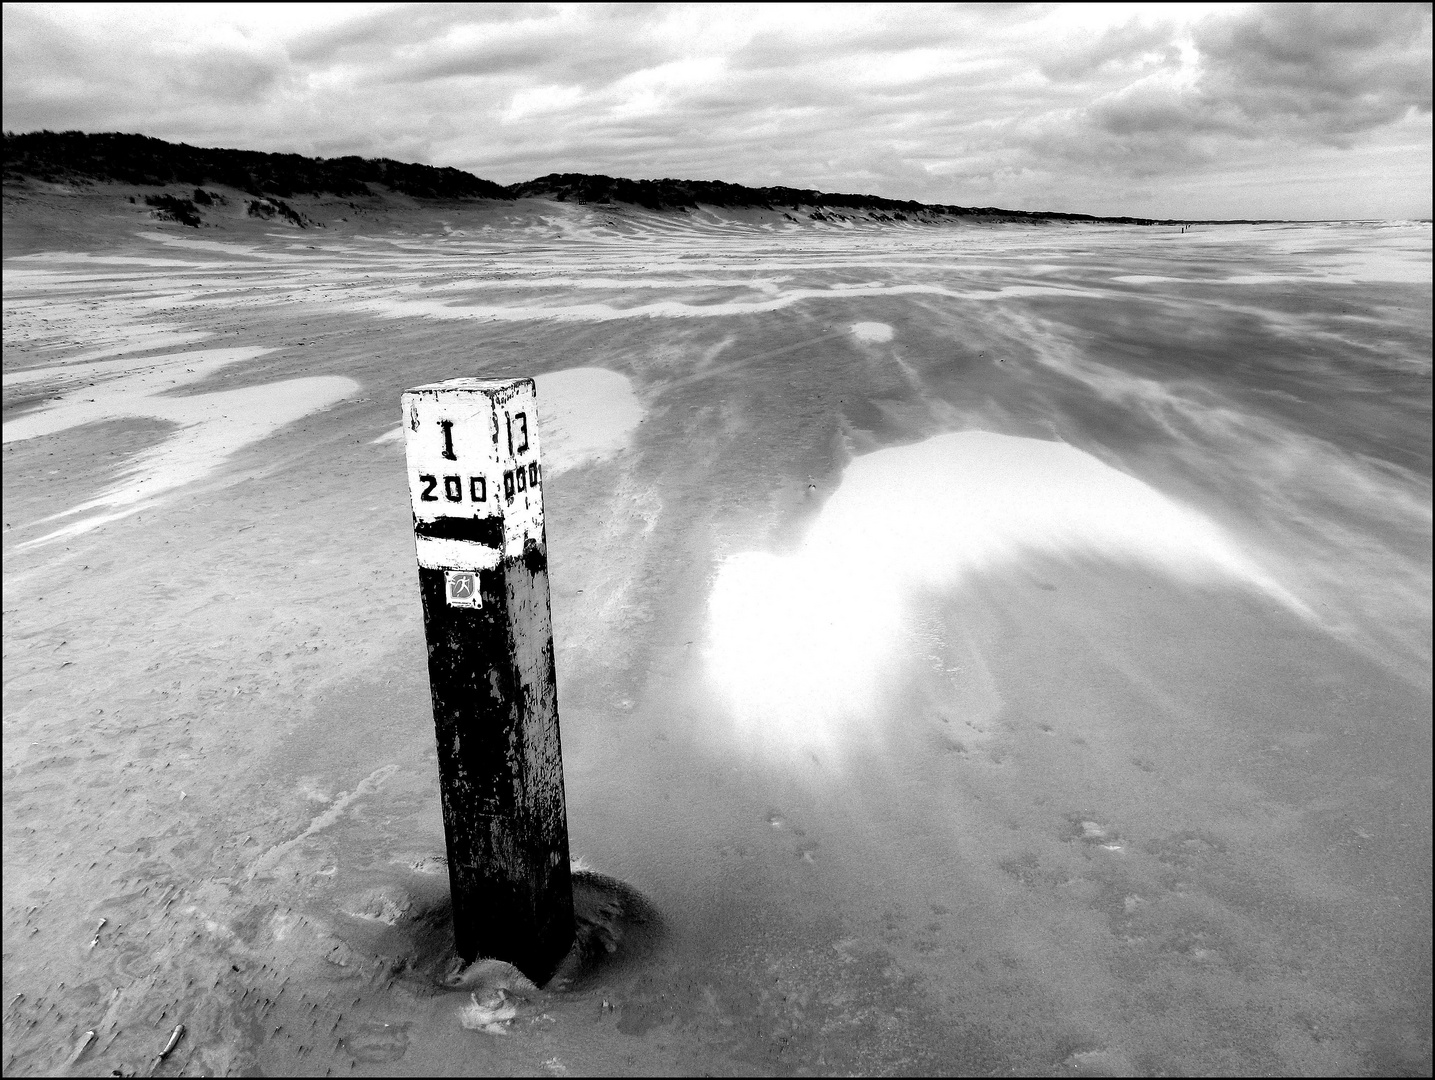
(1300, 72)
(1326, 70)
(94, 75)
(1072, 108)
(1269, 75)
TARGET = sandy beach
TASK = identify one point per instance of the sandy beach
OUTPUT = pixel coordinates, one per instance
(988, 649)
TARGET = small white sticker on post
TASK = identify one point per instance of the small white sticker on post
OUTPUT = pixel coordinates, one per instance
(461, 589)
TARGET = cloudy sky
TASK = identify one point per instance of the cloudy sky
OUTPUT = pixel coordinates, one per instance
(1190, 110)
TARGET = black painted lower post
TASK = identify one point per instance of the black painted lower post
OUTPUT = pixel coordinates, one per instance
(495, 707)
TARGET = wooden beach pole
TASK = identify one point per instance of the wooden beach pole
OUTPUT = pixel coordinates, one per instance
(476, 487)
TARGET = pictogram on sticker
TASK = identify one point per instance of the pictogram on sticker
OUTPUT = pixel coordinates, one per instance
(461, 588)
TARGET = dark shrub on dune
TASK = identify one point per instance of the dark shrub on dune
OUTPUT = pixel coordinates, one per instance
(268, 208)
(170, 208)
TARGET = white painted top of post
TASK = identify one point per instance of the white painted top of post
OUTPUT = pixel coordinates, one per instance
(472, 451)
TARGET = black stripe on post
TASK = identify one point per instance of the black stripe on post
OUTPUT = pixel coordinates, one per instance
(486, 531)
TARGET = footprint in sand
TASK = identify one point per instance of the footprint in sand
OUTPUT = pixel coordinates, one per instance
(1093, 833)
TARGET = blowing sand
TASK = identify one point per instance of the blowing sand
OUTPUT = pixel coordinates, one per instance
(1039, 686)
(210, 428)
(806, 646)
